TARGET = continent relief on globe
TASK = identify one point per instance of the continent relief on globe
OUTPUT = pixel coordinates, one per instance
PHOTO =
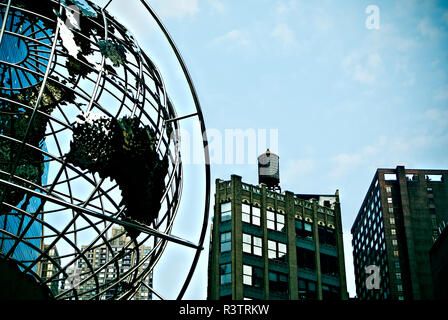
(122, 150)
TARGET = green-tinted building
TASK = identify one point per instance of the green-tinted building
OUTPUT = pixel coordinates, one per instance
(394, 231)
(48, 269)
(272, 245)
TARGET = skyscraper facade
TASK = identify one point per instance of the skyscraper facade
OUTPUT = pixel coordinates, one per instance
(272, 245)
(394, 231)
(98, 257)
(48, 269)
(15, 53)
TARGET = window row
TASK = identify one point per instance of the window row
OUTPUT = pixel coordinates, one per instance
(252, 215)
(253, 276)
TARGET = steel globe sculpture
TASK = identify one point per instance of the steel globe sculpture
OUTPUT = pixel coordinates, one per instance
(90, 162)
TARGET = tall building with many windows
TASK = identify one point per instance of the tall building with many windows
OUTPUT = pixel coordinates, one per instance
(271, 245)
(15, 54)
(82, 278)
(394, 231)
(48, 270)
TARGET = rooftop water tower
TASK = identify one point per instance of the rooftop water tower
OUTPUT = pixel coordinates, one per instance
(268, 170)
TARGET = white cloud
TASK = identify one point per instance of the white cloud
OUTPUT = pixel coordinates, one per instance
(363, 75)
(385, 152)
(175, 8)
(445, 17)
(427, 29)
(232, 39)
(364, 68)
(345, 162)
(404, 44)
(284, 7)
(217, 5)
(374, 60)
(402, 67)
(323, 21)
(296, 169)
(442, 93)
(284, 34)
(438, 117)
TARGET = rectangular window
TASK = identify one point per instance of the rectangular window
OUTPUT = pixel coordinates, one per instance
(251, 214)
(429, 190)
(225, 272)
(327, 236)
(278, 282)
(308, 227)
(304, 229)
(393, 231)
(276, 251)
(388, 189)
(275, 221)
(226, 241)
(390, 176)
(392, 220)
(434, 177)
(391, 210)
(253, 276)
(256, 216)
(307, 289)
(226, 211)
(389, 200)
(306, 259)
(245, 209)
(270, 219)
(252, 244)
(247, 275)
(329, 264)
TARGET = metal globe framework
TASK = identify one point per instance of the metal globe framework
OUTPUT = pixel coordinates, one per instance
(68, 64)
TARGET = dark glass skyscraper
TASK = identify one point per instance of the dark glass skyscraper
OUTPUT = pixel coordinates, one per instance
(394, 231)
(15, 55)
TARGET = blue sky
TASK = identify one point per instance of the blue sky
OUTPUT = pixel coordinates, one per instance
(344, 98)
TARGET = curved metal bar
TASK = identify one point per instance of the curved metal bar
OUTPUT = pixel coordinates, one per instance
(141, 68)
(134, 225)
(19, 153)
(63, 164)
(4, 20)
(205, 143)
(101, 71)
